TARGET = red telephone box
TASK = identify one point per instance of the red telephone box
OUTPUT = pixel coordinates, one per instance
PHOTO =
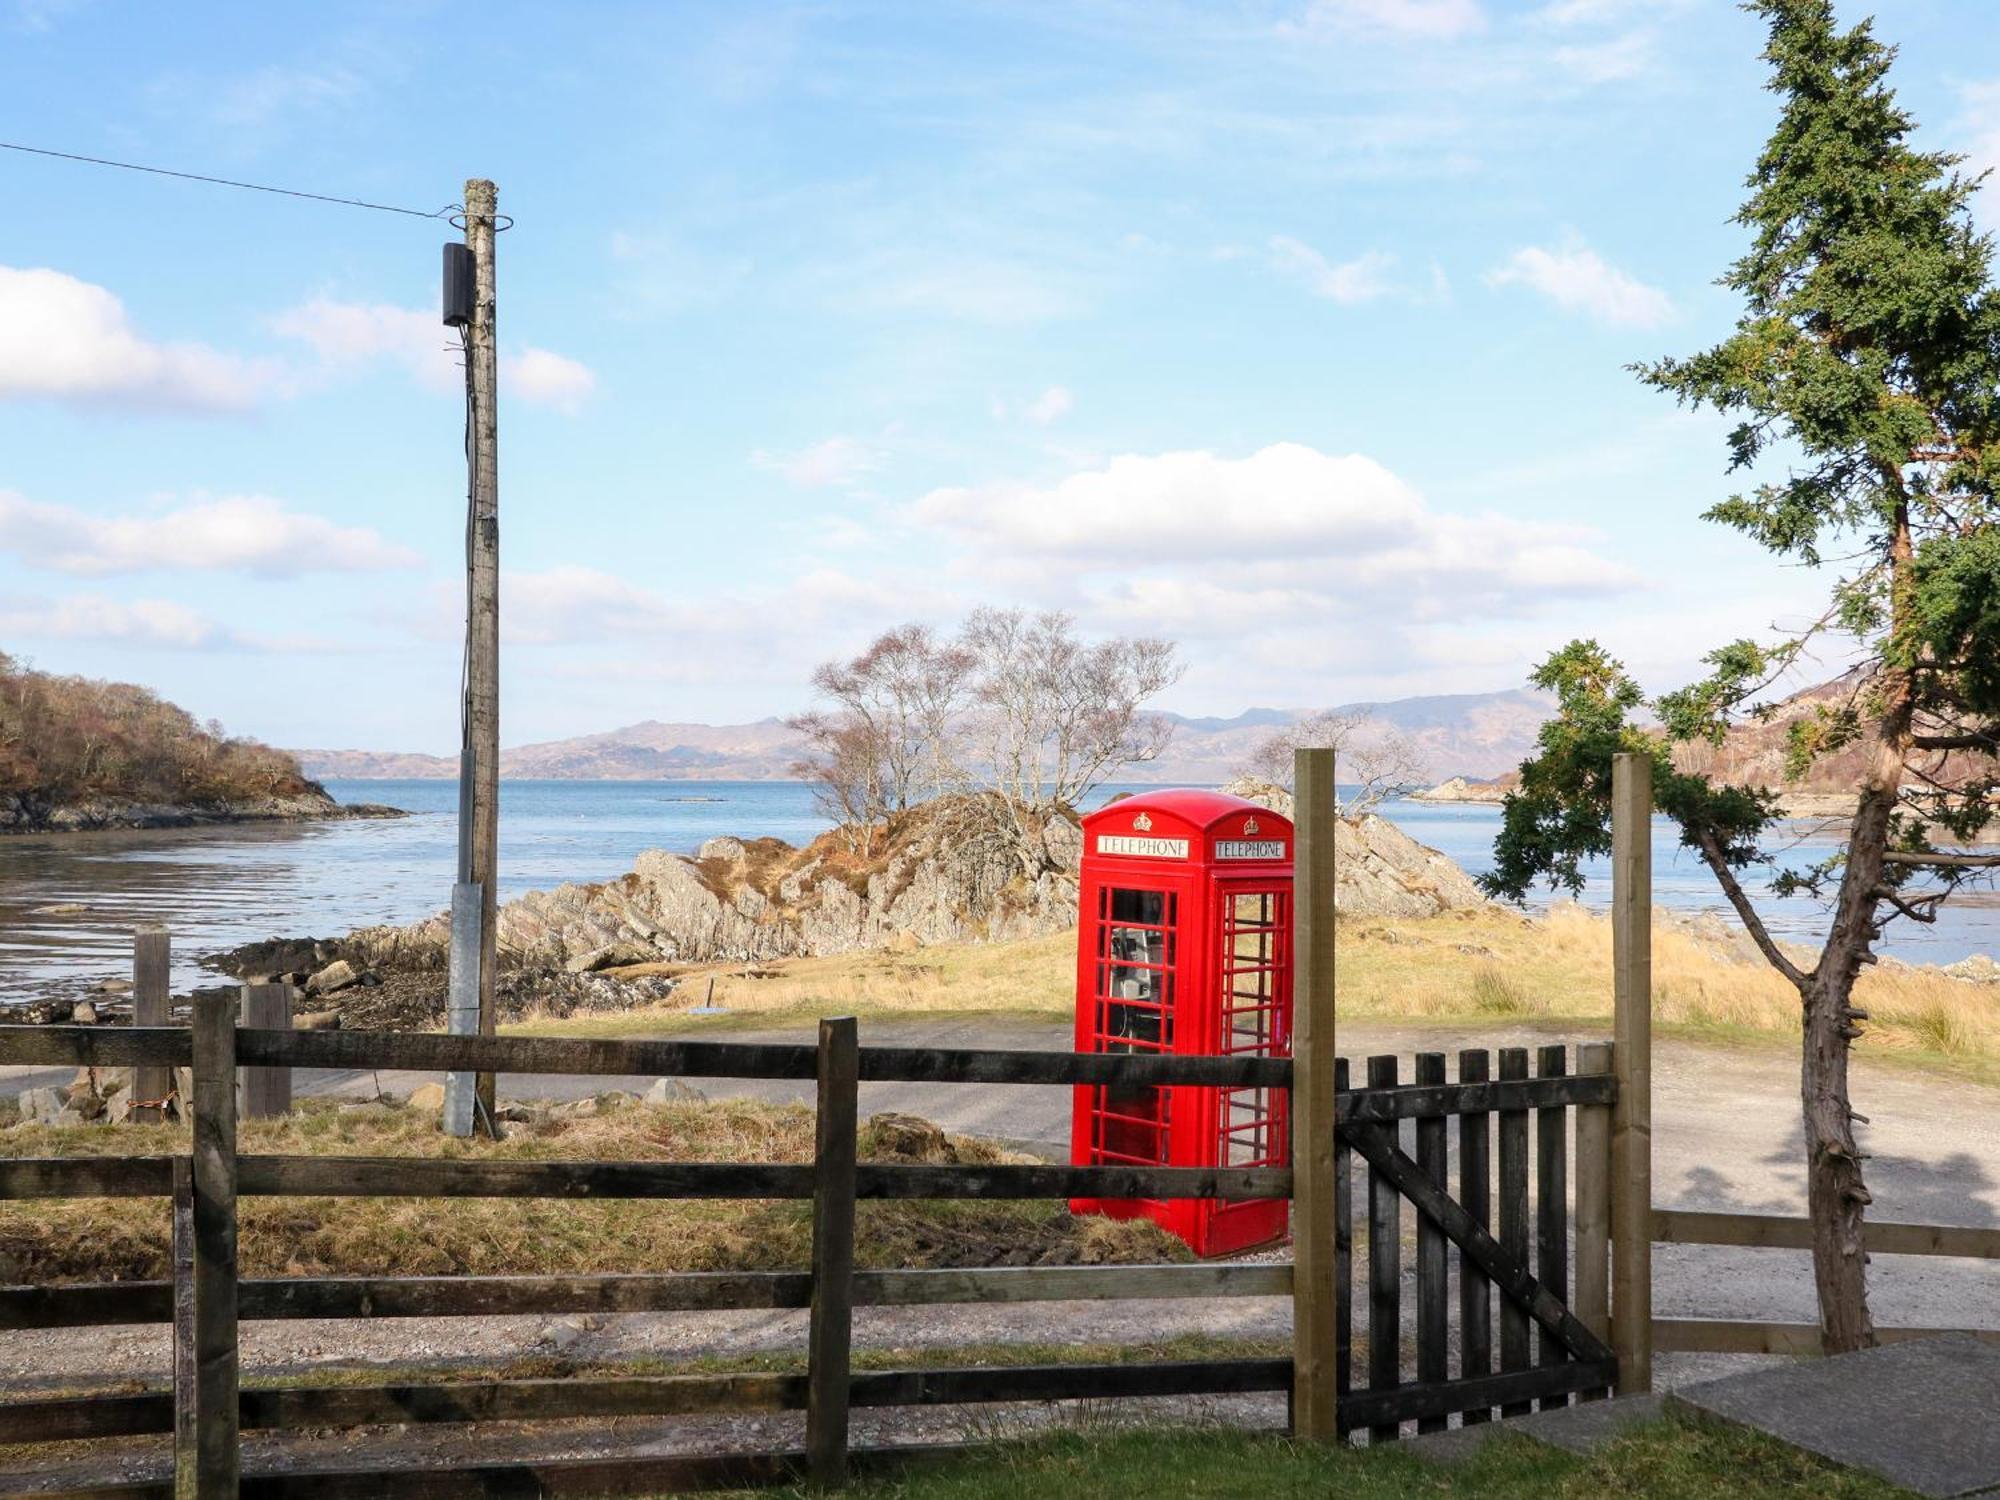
(1184, 946)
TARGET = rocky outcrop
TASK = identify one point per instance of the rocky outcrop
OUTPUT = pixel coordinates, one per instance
(1459, 789)
(29, 813)
(1379, 870)
(953, 870)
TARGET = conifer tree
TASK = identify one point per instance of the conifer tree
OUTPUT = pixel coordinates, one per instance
(1866, 366)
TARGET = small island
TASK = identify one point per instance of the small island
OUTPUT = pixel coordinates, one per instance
(78, 754)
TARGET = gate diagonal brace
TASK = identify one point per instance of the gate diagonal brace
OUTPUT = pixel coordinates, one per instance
(1512, 1277)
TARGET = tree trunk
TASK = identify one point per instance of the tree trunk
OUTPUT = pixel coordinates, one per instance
(1835, 1194)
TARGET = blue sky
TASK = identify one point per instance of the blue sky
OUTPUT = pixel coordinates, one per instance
(1293, 331)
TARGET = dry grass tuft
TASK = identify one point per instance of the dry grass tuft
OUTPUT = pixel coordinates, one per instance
(90, 1240)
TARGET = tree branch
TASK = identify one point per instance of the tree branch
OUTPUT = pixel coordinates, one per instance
(1711, 852)
(1907, 908)
(1975, 740)
(1944, 861)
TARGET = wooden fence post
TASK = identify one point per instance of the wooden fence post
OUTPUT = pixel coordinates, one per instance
(1591, 1299)
(152, 963)
(1632, 1061)
(828, 1346)
(1315, 1336)
(267, 1092)
(183, 1273)
(216, 1457)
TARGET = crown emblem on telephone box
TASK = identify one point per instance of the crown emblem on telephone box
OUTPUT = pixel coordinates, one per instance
(1142, 822)
(1249, 826)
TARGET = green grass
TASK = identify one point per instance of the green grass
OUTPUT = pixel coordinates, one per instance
(1664, 1461)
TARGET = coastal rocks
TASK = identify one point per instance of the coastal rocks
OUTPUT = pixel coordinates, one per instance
(610, 956)
(674, 1091)
(954, 870)
(96, 1095)
(335, 977)
(1379, 870)
(1459, 789)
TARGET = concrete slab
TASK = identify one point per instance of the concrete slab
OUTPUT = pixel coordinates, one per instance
(1919, 1414)
(1581, 1430)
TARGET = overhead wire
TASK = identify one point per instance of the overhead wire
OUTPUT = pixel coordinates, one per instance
(451, 212)
(252, 187)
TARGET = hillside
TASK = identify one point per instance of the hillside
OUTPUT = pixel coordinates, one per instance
(1753, 754)
(78, 753)
(1469, 734)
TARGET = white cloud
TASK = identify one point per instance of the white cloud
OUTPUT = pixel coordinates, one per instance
(1174, 533)
(545, 379)
(347, 336)
(69, 340)
(1609, 61)
(1427, 20)
(1347, 282)
(838, 461)
(1052, 405)
(243, 534)
(1577, 279)
(96, 617)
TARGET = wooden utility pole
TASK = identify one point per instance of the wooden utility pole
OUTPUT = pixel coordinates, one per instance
(1315, 1341)
(1632, 1060)
(479, 752)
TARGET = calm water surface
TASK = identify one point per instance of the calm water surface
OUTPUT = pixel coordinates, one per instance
(217, 887)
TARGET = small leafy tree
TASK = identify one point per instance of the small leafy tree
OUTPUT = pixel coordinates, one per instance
(1868, 356)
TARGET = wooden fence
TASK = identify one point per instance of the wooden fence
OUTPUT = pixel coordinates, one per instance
(207, 1409)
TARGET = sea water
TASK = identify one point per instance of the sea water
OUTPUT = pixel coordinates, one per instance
(68, 902)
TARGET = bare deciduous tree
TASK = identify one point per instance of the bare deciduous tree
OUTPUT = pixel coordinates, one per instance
(1018, 702)
(843, 761)
(1056, 715)
(891, 734)
(1378, 760)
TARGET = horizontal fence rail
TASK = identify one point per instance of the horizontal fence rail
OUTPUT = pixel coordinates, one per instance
(1682, 1226)
(169, 1046)
(1802, 1340)
(292, 1406)
(100, 1304)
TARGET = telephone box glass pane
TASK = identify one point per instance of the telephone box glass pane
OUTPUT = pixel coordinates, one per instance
(1253, 957)
(1133, 1010)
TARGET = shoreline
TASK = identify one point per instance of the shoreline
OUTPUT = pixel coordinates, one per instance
(111, 815)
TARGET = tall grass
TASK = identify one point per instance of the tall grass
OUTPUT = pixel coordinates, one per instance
(1479, 966)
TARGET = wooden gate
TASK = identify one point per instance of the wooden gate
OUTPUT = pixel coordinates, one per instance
(1515, 1252)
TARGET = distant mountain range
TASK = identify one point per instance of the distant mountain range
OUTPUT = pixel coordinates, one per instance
(1460, 734)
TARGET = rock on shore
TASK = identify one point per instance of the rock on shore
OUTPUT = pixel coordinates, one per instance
(1379, 870)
